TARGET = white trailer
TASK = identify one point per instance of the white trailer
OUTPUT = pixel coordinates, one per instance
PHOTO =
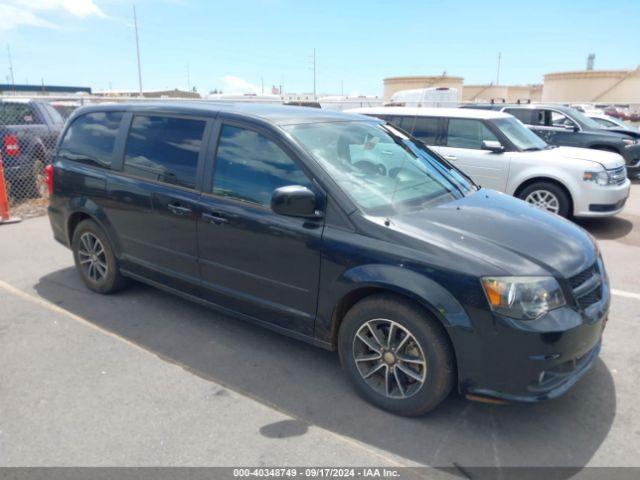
(425, 97)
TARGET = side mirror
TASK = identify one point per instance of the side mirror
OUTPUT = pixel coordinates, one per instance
(493, 146)
(295, 201)
(571, 127)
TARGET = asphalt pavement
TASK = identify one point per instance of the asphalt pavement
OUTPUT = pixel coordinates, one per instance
(144, 378)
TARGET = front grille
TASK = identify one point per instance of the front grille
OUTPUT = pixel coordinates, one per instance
(617, 176)
(582, 277)
(584, 294)
(590, 298)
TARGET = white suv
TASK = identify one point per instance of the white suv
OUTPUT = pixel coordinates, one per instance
(497, 151)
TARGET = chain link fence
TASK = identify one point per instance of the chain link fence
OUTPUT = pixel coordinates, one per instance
(29, 130)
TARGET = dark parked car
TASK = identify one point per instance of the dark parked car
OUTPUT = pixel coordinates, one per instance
(339, 230)
(28, 132)
(567, 126)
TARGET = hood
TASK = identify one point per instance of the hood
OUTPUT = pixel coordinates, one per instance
(501, 235)
(624, 131)
(607, 159)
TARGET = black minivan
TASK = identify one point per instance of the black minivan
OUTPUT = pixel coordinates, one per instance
(336, 229)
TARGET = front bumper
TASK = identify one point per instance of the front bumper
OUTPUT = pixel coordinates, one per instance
(598, 201)
(531, 361)
(632, 159)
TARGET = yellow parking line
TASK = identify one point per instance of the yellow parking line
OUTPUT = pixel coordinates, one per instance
(55, 308)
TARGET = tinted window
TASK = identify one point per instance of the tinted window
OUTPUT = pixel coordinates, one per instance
(18, 114)
(426, 129)
(164, 149)
(522, 114)
(90, 138)
(250, 167)
(468, 133)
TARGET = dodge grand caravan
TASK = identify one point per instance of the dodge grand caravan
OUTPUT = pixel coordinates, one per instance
(340, 230)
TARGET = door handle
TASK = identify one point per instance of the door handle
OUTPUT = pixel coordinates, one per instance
(178, 209)
(450, 157)
(213, 218)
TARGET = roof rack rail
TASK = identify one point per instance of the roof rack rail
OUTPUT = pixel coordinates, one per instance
(523, 100)
(502, 100)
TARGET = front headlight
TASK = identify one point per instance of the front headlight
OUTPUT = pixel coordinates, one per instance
(629, 141)
(601, 178)
(524, 298)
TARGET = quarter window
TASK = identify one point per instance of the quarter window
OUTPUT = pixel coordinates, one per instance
(164, 149)
(90, 139)
(468, 133)
(250, 167)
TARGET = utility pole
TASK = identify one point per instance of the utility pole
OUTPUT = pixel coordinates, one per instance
(498, 74)
(188, 78)
(262, 85)
(314, 74)
(13, 83)
(135, 25)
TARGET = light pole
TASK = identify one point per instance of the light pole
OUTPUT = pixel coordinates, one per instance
(135, 25)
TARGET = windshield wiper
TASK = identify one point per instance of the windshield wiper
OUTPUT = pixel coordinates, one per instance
(531, 149)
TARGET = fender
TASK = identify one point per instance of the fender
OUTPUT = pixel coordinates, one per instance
(93, 210)
(391, 278)
(551, 174)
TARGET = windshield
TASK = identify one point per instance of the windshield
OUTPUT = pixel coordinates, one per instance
(583, 119)
(519, 135)
(382, 170)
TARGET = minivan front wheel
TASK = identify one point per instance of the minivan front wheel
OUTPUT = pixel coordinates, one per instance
(94, 258)
(396, 355)
(547, 196)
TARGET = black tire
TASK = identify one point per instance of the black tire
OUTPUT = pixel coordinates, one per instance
(111, 281)
(430, 341)
(564, 202)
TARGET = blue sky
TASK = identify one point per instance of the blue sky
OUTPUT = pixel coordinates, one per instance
(233, 44)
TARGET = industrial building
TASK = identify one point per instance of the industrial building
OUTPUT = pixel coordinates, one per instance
(593, 86)
(25, 89)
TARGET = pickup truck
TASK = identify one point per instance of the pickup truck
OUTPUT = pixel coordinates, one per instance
(565, 126)
(29, 130)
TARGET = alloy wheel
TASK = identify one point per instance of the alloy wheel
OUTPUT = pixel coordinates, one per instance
(92, 257)
(389, 358)
(545, 200)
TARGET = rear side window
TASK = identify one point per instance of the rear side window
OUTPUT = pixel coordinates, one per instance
(522, 114)
(164, 149)
(250, 167)
(18, 114)
(468, 133)
(90, 139)
(427, 129)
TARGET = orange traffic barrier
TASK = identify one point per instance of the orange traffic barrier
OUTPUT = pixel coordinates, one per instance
(4, 200)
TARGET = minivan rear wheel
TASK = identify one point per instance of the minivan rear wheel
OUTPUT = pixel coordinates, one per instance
(396, 355)
(94, 258)
(547, 196)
